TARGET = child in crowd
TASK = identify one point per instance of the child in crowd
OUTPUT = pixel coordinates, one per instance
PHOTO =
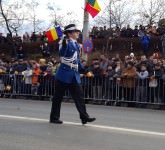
(110, 83)
(141, 89)
(27, 76)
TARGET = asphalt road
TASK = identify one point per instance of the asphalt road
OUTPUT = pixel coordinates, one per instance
(24, 126)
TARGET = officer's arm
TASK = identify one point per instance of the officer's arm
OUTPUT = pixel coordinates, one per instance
(63, 47)
(63, 50)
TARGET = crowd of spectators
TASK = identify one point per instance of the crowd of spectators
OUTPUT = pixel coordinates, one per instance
(126, 32)
(34, 37)
(144, 34)
(141, 79)
(96, 33)
(149, 72)
(26, 37)
(29, 75)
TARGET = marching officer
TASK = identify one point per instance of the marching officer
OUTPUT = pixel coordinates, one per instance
(68, 77)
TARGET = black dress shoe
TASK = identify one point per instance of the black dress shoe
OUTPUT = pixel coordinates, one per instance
(56, 121)
(84, 121)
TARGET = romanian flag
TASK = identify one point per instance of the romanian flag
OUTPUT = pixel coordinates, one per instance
(54, 34)
(92, 7)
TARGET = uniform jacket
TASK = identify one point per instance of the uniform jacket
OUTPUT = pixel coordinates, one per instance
(65, 73)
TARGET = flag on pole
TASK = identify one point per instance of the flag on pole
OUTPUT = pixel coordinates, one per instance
(92, 7)
(54, 34)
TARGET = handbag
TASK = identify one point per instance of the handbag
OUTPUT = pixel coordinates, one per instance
(153, 82)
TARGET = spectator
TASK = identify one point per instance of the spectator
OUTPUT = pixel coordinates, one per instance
(129, 74)
(50, 70)
(20, 67)
(135, 31)
(154, 83)
(35, 78)
(95, 32)
(28, 80)
(43, 65)
(43, 75)
(104, 32)
(110, 72)
(161, 30)
(45, 50)
(85, 69)
(43, 37)
(47, 84)
(94, 61)
(2, 67)
(123, 32)
(141, 90)
(86, 82)
(101, 33)
(2, 38)
(118, 68)
(103, 63)
(146, 62)
(33, 37)
(109, 33)
(141, 32)
(97, 84)
(26, 37)
(20, 53)
(145, 41)
(129, 32)
(163, 44)
(117, 32)
(110, 83)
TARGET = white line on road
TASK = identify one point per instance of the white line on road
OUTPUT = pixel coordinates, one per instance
(127, 130)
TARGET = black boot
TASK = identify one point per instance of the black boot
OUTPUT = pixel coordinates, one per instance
(55, 121)
(84, 121)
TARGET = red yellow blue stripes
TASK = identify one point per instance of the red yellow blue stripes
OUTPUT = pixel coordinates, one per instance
(92, 7)
(54, 34)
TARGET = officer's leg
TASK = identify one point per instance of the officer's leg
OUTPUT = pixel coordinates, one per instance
(77, 95)
(60, 88)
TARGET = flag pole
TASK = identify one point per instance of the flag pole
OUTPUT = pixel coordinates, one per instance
(85, 30)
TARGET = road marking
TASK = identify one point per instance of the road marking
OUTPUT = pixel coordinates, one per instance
(127, 130)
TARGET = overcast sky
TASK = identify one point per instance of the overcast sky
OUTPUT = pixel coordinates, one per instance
(75, 6)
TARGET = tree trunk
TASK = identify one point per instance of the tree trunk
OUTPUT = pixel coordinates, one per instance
(10, 39)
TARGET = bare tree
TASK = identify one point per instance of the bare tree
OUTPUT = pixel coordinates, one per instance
(56, 18)
(69, 18)
(32, 14)
(117, 13)
(59, 18)
(12, 17)
(151, 11)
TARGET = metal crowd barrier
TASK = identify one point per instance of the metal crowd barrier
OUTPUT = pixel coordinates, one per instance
(96, 89)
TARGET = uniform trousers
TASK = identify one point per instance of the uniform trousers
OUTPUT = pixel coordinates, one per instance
(76, 92)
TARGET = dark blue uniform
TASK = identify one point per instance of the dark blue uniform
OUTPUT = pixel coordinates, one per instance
(68, 77)
(66, 73)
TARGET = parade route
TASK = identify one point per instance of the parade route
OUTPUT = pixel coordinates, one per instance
(24, 125)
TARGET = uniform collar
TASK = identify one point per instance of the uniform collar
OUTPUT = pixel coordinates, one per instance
(73, 40)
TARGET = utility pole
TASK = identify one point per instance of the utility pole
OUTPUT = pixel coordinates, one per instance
(85, 30)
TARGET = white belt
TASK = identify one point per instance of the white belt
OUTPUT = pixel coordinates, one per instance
(71, 65)
(69, 61)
